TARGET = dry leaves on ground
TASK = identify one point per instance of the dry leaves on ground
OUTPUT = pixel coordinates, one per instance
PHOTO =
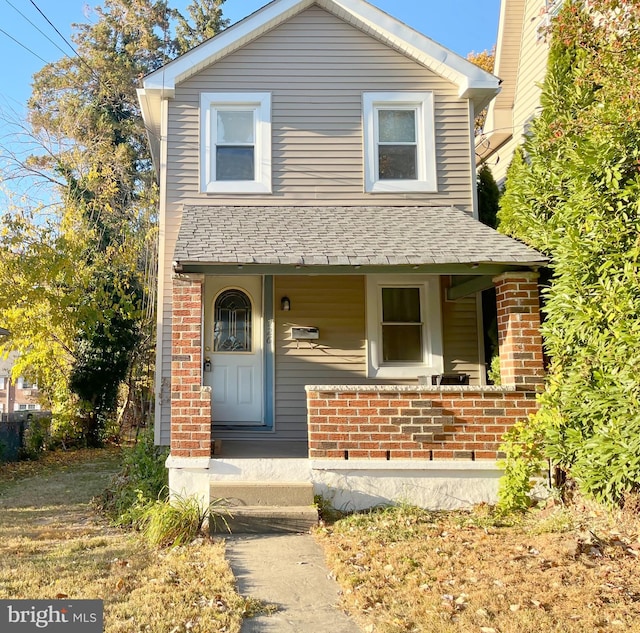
(52, 545)
(405, 569)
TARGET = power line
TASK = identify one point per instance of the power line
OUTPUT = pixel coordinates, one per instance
(52, 25)
(75, 52)
(34, 26)
(26, 48)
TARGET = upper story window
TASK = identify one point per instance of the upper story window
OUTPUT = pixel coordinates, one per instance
(235, 142)
(403, 326)
(399, 142)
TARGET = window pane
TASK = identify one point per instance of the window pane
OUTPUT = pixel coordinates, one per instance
(397, 162)
(397, 126)
(232, 325)
(235, 126)
(401, 305)
(235, 163)
(402, 343)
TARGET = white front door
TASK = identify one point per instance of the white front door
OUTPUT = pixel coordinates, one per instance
(233, 347)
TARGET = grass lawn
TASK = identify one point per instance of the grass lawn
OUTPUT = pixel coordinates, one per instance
(53, 545)
(558, 570)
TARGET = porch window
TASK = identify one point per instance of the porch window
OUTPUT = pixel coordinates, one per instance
(399, 142)
(235, 133)
(232, 325)
(403, 326)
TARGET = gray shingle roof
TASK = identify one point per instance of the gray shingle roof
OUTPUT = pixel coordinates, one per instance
(342, 236)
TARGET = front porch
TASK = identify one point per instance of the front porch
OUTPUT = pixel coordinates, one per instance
(370, 444)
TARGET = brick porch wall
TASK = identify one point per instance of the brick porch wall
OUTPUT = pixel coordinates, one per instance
(399, 422)
(395, 422)
(190, 401)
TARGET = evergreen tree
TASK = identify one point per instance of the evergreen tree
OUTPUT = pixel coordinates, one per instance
(205, 21)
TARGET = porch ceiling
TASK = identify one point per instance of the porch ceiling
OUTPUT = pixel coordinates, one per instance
(343, 236)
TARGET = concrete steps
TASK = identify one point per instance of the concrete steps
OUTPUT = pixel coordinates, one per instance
(264, 507)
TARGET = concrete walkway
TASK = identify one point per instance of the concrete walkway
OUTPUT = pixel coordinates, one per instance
(287, 570)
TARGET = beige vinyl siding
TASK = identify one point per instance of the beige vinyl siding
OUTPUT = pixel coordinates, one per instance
(460, 338)
(316, 68)
(335, 305)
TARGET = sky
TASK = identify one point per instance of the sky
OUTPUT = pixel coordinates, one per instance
(460, 25)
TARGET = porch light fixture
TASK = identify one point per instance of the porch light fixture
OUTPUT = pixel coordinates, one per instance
(285, 304)
(177, 267)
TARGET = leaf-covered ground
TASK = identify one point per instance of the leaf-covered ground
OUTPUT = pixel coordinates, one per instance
(52, 544)
(559, 570)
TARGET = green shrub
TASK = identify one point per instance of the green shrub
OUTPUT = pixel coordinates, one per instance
(143, 476)
(178, 521)
(494, 371)
(36, 437)
(524, 460)
(572, 192)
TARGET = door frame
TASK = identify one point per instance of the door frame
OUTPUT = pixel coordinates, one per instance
(263, 332)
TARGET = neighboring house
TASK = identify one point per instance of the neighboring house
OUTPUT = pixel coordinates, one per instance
(19, 395)
(521, 64)
(321, 262)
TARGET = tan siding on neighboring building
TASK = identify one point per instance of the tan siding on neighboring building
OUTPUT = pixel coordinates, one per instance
(532, 66)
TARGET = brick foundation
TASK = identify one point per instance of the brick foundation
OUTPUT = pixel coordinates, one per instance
(190, 401)
(395, 423)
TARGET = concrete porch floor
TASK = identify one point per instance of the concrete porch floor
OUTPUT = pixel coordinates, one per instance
(262, 449)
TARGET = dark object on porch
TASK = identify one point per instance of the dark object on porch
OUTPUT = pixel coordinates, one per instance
(450, 379)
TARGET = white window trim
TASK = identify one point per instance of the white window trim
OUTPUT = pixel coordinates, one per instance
(260, 102)
(432, 362)
(425, 135)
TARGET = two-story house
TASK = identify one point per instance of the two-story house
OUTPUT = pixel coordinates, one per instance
(320, 262)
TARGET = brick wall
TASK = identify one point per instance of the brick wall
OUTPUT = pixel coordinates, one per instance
(190, 401)
(381, 423)
(519, 338)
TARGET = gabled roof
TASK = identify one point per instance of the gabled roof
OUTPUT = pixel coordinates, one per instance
(343, 236)
(472, 82)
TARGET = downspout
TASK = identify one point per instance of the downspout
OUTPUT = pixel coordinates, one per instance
(162, 387)
(472, 161)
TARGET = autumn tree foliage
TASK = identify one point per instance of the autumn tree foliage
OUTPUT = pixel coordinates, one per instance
(486, 60)
(573, 192)
(78, 282)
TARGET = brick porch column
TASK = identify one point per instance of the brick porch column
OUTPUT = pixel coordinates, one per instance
(519, 338)
(190, 401)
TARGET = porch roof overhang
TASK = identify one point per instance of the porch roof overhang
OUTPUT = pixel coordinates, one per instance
(342, 240)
